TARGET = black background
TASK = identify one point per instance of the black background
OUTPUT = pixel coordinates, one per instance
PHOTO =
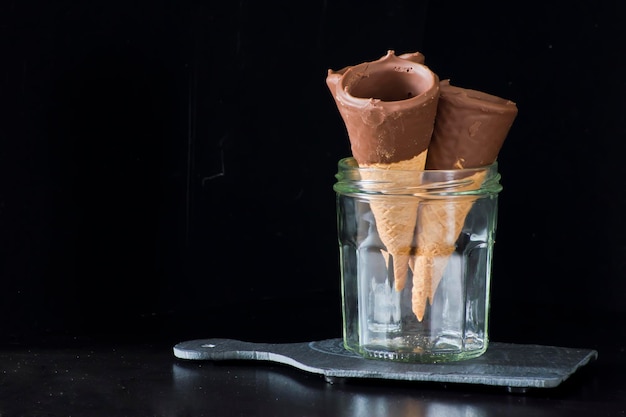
(166, 168)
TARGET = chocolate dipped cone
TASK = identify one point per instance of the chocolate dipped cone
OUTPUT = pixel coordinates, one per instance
(470, 129)
(389, 107)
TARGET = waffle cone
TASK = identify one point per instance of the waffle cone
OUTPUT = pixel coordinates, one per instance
(396, 217)
(427, 272)
(439, 223)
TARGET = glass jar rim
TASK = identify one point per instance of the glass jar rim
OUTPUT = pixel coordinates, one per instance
(349, 163)
(352, 179)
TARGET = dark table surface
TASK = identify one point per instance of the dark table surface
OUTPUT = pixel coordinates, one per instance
(106, 379)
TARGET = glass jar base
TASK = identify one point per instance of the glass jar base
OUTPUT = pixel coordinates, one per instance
(418, 355)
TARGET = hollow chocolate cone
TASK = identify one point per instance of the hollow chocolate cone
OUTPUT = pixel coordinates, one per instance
(470, 129)
(389, 107)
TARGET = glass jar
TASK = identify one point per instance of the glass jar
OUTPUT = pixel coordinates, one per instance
(416, 250)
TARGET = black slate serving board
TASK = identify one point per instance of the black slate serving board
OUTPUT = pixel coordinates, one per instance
(514, 366)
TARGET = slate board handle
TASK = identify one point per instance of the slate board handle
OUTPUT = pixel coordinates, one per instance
(231, 349)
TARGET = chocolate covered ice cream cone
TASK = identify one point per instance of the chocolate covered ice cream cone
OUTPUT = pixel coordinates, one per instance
(469, 131)
(388, 107)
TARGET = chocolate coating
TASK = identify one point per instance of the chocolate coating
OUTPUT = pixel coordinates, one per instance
(470, 128)
(388, 106)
